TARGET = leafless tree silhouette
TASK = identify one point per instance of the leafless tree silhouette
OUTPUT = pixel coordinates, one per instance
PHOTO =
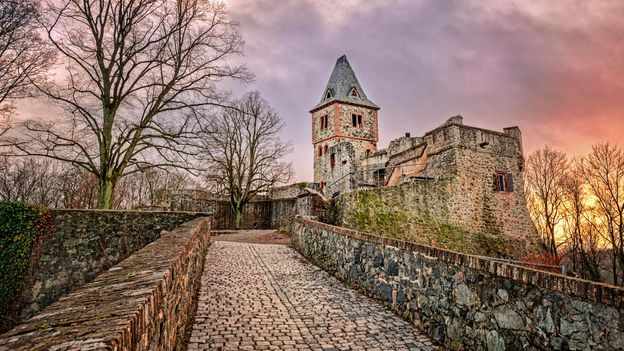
(546, 171)
(24, 56)
(603, 170)
(244, 151)
(137, 74)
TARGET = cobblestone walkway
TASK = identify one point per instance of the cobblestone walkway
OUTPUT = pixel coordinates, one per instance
(266, 297)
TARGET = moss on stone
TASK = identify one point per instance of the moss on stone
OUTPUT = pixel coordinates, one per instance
(412, 212)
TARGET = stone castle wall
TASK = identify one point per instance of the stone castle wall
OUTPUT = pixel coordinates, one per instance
(469, 215)
(86, 243)
(476, 203)
(145, 302)
(466, 302)
(274, 211)
(430, 212)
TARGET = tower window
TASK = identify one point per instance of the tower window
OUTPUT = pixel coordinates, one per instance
(325, 150)
(324, 122)
(356, 120)
(332, 160)
(367, 153)
(320, 152)
(503, 182)
(328, 94)
(354, 92)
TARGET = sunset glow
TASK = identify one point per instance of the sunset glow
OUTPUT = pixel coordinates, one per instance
(553, 69)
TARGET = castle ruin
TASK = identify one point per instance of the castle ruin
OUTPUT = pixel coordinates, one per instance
(481, 169)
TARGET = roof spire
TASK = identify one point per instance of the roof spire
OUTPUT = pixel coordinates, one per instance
(343, 86)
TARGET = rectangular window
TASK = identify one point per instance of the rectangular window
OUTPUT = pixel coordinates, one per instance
(503, 181)
(356, 120)
(323, 122)
(500, 178)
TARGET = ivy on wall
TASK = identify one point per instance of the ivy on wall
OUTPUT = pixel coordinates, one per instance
(22, 227)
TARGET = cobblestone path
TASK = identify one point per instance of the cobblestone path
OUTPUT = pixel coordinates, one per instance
(266, 297)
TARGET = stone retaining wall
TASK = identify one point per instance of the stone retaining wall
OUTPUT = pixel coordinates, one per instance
(87, 242)
(143, 303)
(258, 214)
(466, 302)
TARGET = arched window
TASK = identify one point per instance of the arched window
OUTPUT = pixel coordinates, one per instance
(367, 153)
(320, 152)
(332, 161)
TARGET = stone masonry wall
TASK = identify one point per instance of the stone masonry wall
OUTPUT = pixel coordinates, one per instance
(283, 212)
(263, 212)
(143, 303)
(429, 212)
(466, 302)
(476, 204)
(470, 215)
(87, 242)
(340, 128)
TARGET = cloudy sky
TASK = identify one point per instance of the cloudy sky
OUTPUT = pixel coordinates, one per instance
(553, 68)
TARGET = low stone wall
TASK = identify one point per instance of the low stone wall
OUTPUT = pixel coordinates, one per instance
(260, 213)
(143, 303)
(87, 242)
(466, 302)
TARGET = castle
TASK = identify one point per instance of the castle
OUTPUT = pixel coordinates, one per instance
(482, 169)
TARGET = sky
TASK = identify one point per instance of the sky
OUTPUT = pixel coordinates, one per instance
(553, 68)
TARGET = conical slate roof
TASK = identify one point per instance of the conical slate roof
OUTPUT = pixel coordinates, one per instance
(341, 85)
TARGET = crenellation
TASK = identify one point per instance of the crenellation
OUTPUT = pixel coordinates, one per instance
(482, 168)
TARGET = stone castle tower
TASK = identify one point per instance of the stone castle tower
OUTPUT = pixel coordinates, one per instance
(343, 114)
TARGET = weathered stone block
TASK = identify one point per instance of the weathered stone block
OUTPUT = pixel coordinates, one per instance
(471, 303)
(142, 303)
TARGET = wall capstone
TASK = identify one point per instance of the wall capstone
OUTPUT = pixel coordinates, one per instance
(143, 303)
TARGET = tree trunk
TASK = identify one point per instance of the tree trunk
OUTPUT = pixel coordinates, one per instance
(238, 220)
(105, 194)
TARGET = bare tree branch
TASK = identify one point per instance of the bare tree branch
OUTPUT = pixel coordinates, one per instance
(24, 57)
(546, 171)
(138, 73)
(244, 152)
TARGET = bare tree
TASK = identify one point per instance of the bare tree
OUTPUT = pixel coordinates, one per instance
(137, 73)
(142, 189)
(603, 170)
(23, 54)
(22, 180)
(545, 174)
(5, 124)
(244, 152)
(581, 227)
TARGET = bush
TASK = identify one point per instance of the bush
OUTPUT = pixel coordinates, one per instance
(22, 227)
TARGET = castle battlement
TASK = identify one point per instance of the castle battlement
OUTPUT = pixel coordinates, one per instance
(482, 167)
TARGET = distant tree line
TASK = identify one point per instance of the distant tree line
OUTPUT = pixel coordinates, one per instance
(51, 183)
(577, 205)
